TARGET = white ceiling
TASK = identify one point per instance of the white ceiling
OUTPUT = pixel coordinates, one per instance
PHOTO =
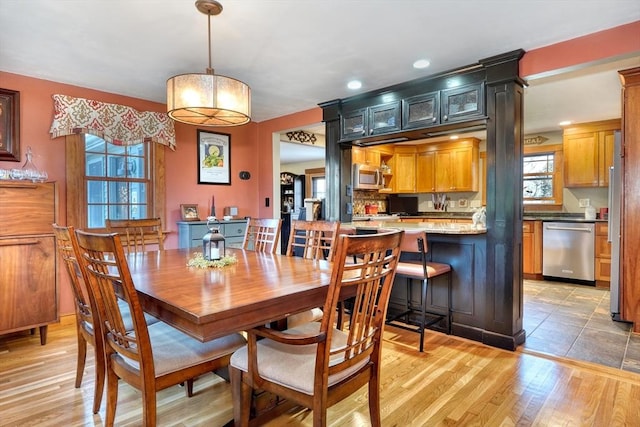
(297, 53)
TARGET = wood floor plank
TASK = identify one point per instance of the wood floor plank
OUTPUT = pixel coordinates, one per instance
(454, 382)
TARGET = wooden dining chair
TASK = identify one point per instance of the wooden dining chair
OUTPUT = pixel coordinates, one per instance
(149, 357)
(138, 235)
(316, 365)
(85, 321)
(415, 242)
(311, 240)
(262, 234)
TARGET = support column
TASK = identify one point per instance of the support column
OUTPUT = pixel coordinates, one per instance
(504, 300)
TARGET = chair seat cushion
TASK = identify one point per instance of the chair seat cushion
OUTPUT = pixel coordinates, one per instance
(414, 269)
(174, 350)
(313, 315)
(293, 366)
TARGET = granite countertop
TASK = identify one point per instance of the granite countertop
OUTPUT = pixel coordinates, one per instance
(429, 227)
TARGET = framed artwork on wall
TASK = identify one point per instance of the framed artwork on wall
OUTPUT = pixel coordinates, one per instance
(214, 158)
(189, 212)
(9, 125)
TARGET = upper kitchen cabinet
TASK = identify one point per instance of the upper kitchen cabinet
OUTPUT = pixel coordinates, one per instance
(369, 121)
(588, 153)
(421, 111)
(367, 156)
(462, 103)
(404, 169)
(448, 167)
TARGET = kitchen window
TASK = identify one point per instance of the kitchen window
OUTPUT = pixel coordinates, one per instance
(112, 181)
(542, 175)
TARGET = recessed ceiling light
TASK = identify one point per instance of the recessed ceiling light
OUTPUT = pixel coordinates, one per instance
(354, 84)
(421, 63)
(564, 123)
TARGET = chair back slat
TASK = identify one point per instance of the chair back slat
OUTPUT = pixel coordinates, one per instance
(65, 241)
(138, 235)
(313, 239)
(262, 234)
(364, 265)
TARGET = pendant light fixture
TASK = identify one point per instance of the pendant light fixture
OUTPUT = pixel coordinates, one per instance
(208, 99)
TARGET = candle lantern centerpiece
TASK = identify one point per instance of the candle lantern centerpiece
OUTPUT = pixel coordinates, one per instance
(213, 241)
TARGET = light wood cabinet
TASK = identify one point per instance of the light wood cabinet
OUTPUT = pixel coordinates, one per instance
(448, 167)
(426, 172)
(603, 252)
(404, 169)
(367, 156)
(532, 248)
(28, 279)
(588, 153)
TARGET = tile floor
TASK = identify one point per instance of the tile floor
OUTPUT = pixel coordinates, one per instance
(574, 321)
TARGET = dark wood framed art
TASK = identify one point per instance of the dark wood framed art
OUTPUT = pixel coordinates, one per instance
(9, 125)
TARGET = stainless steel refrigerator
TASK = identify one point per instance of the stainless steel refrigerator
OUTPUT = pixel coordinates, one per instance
(615, 208)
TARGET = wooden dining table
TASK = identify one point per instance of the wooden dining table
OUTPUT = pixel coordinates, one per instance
(207, 303)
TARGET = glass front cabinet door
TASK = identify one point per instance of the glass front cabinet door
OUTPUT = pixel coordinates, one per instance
(462, 103)
(353, 124)
(376, 120)
(384, 118)
(421, 111)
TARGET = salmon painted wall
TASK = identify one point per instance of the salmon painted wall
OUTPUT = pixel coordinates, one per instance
(251, 145)
(36, 114)
(613, 42)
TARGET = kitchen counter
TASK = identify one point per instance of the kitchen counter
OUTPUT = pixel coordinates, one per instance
(429, 227)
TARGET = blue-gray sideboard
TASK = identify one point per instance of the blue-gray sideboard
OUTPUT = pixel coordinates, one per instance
(190, 233)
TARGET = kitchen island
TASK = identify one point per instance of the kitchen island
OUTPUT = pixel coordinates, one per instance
(464, 248)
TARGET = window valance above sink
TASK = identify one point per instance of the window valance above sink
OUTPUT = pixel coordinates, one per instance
(117, 124)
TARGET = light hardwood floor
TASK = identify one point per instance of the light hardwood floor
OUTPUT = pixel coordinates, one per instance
(454, 382)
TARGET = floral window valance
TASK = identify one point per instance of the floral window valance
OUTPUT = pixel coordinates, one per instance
(117, 124)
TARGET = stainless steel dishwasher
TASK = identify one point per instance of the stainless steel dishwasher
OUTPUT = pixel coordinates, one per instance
(568, 250)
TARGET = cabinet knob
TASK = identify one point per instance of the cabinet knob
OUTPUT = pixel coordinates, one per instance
(370, 131)
(434, 120)
(364, 132)
(445, 117)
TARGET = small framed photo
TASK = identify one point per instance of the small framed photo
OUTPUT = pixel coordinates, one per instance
(189, 212)
(9, 125)
(214, 158)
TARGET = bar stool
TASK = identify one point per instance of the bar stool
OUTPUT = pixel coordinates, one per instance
(415, 242)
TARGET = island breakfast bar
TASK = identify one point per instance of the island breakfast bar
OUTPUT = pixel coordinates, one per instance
(464, 248)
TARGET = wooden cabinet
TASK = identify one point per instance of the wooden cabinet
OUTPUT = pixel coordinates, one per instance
(602, 253)
(421, 111)
(426, 172)
(190, 233)
(462, 103)
(532, 248)
(404, 169)
(588, 153)
(369, 121)
(448, 167)
(369, 156)
(28, 279)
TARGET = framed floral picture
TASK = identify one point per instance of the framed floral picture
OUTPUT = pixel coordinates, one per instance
(214, 158)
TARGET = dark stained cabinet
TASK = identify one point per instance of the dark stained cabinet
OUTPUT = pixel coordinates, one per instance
(421, 111)
(369, 121)
(462, 103)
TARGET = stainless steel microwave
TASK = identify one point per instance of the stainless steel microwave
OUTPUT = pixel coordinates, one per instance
(367, 177)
